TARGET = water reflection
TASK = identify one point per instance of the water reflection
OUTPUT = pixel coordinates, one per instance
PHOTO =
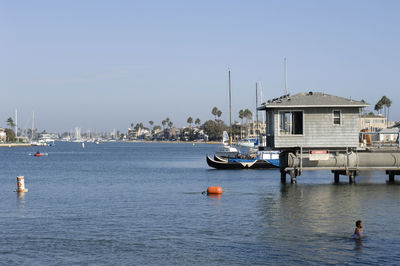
(304, 216)
(358, 245)
(214, 196)
(21, 201)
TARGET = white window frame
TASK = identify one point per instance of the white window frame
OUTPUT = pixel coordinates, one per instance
(340, 118)
(279, 123)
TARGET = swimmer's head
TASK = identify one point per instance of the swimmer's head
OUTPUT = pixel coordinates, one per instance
(359, 223)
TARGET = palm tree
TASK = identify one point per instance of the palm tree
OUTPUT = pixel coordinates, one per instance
(190, 121)
(219, 113)
(378, 107)
(170, 124)
(248, 115)
(163, 123)
(386, 102)
(241, 115)
(10, 122)
(214, 112)
(197, 122)
(132, 125)
(151, 123)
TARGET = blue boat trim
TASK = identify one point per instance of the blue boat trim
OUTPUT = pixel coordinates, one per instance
(274, 162)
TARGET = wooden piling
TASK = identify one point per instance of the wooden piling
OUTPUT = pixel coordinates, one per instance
(391, 177)
(392, 174)
(283, 176)
(351, 179)
(337, 177)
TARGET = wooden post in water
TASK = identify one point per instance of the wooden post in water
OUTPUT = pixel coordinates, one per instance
(391, 176)
(337, 177)
(352, 176)
(283, 176)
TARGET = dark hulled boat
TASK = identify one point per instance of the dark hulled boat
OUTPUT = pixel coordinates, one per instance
(237, 163)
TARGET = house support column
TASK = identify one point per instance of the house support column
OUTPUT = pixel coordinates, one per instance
(352, 176)
(283, 176)
(392, 174)
(391, 177)
(337, 175)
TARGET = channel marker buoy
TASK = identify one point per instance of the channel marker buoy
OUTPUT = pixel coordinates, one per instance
(21, 184)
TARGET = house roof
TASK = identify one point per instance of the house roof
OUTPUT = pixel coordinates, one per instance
(311, 99)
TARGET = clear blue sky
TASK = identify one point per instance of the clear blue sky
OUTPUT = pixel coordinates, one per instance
(101, 65)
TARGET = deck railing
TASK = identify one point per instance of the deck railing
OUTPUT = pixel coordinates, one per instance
(379, 140)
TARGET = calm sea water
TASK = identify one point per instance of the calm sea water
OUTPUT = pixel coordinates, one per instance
(141, 203)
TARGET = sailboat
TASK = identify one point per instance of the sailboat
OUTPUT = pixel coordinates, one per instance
(38, 142)
(252, 142)
(227, 151)
(229, 157)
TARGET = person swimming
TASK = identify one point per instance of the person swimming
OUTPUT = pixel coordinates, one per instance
(359, 230)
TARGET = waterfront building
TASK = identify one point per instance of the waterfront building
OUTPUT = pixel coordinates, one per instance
(312, 120)
(374, 123)
(139, 133)
(248, 130)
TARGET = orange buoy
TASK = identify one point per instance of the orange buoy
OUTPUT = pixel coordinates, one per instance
(214, 190)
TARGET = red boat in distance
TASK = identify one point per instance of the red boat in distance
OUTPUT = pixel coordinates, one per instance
(38, 154)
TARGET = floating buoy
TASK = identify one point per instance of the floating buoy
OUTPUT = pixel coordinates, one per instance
(21, 184)
(215, 190)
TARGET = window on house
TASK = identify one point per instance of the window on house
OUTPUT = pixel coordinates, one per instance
(337, 116)
(291, 123)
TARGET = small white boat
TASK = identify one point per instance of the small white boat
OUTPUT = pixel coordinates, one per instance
(249, 142)
(39, 143)
(226, 150)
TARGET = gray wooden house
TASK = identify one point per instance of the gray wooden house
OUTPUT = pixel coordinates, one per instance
(312, 120)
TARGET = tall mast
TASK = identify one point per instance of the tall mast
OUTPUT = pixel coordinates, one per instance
(16, 123)
(33, 123)
(257, 130)
(230, 110)
(286, 87)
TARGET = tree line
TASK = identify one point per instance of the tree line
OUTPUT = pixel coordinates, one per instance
(213, 128)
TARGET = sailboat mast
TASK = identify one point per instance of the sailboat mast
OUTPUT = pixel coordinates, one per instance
(16, 123)
(230, 110)
(257, 129)
(33, 123)
(286, 87)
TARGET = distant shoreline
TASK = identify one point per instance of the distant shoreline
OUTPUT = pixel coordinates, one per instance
(178, 142)
(11, 145)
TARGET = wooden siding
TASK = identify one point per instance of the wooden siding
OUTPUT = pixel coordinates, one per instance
(319, 130)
